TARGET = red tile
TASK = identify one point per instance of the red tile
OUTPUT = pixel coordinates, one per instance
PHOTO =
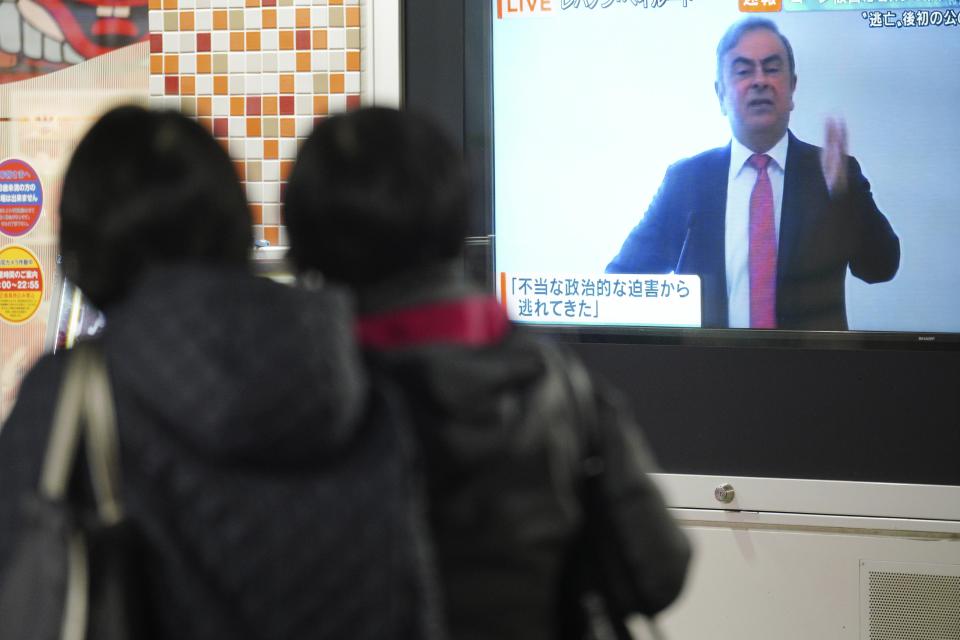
(253, 106)
(203, 42)
(303, 39)
(286, 105)
(156, 42)
(171, 84)
(353, 102)
(220, 127)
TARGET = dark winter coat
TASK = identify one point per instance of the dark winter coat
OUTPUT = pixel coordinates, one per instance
(503, 466)
(268, 480)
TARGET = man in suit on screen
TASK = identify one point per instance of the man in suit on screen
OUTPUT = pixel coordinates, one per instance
(768, 222)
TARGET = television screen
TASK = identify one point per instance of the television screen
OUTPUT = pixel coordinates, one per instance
(627, 192)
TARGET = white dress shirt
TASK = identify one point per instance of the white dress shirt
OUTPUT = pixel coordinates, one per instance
(740, 184)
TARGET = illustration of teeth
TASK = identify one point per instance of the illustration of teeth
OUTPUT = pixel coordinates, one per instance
(104, 12)
(70, 55)
(121, 12)
(9, 28)
(52, 50)
(32, 42)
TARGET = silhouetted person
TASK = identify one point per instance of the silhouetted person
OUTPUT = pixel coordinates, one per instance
(378, 200)
(267, 482)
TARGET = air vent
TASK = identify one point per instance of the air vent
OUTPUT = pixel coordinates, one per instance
(909, 601)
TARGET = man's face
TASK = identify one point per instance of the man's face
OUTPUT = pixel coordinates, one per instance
(756, 87)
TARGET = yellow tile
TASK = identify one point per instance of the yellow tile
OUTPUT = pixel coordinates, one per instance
(353, 61)
(303, 61)
(303, 18)
(353, 16)
(270, 105)
(320, 39)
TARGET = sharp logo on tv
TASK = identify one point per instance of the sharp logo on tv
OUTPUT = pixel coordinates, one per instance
(518, 8)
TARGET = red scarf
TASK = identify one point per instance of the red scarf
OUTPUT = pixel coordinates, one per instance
(475, 321)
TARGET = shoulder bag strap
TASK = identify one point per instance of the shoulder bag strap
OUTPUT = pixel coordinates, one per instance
(85, 400)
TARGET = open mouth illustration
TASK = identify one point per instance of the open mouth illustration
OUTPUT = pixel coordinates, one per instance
(96, 27)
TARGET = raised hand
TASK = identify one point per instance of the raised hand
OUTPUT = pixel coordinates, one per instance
(833, 158)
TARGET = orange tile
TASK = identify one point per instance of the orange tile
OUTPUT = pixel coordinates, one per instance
(204, 106)
(203, 63)
(336, 83)
(271, 149)
(336, 2)
(353, 16)
(220, 85)
(272, 235)
(241, 170)
(286, 166)
(256, 213)
(237, 105)
(321, 105)
(353, 61)
(253, 3)
(303, 18)
(156, 65)
(268, 19)
(186, 21)
(236, 41)
(224, 143)
(220, 19)
(286, 40)
(303, 61)
(320, 39)
(171, 63)
(253, 41)
(153, 5)
(286, 83)
(169, 4)
(253, 128)
(206, 123)
(270, 105)
(288, 128)
(188, 85)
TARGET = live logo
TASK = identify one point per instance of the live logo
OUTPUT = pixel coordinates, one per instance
(520, 7)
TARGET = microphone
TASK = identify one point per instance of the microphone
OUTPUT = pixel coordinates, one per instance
(686, 242)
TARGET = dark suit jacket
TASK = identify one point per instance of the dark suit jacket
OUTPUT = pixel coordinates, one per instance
(683, 231)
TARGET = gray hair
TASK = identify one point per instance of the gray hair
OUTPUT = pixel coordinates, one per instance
(737, 31)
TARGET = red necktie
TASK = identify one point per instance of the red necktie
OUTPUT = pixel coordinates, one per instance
(763, 249)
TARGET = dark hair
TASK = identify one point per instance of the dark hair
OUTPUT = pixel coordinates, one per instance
(737, 31)
(147, 187)
(373, 193)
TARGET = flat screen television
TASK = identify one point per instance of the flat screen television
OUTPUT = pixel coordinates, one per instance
(571, 113)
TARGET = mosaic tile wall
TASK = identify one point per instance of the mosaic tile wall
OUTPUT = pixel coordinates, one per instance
(257, 73)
